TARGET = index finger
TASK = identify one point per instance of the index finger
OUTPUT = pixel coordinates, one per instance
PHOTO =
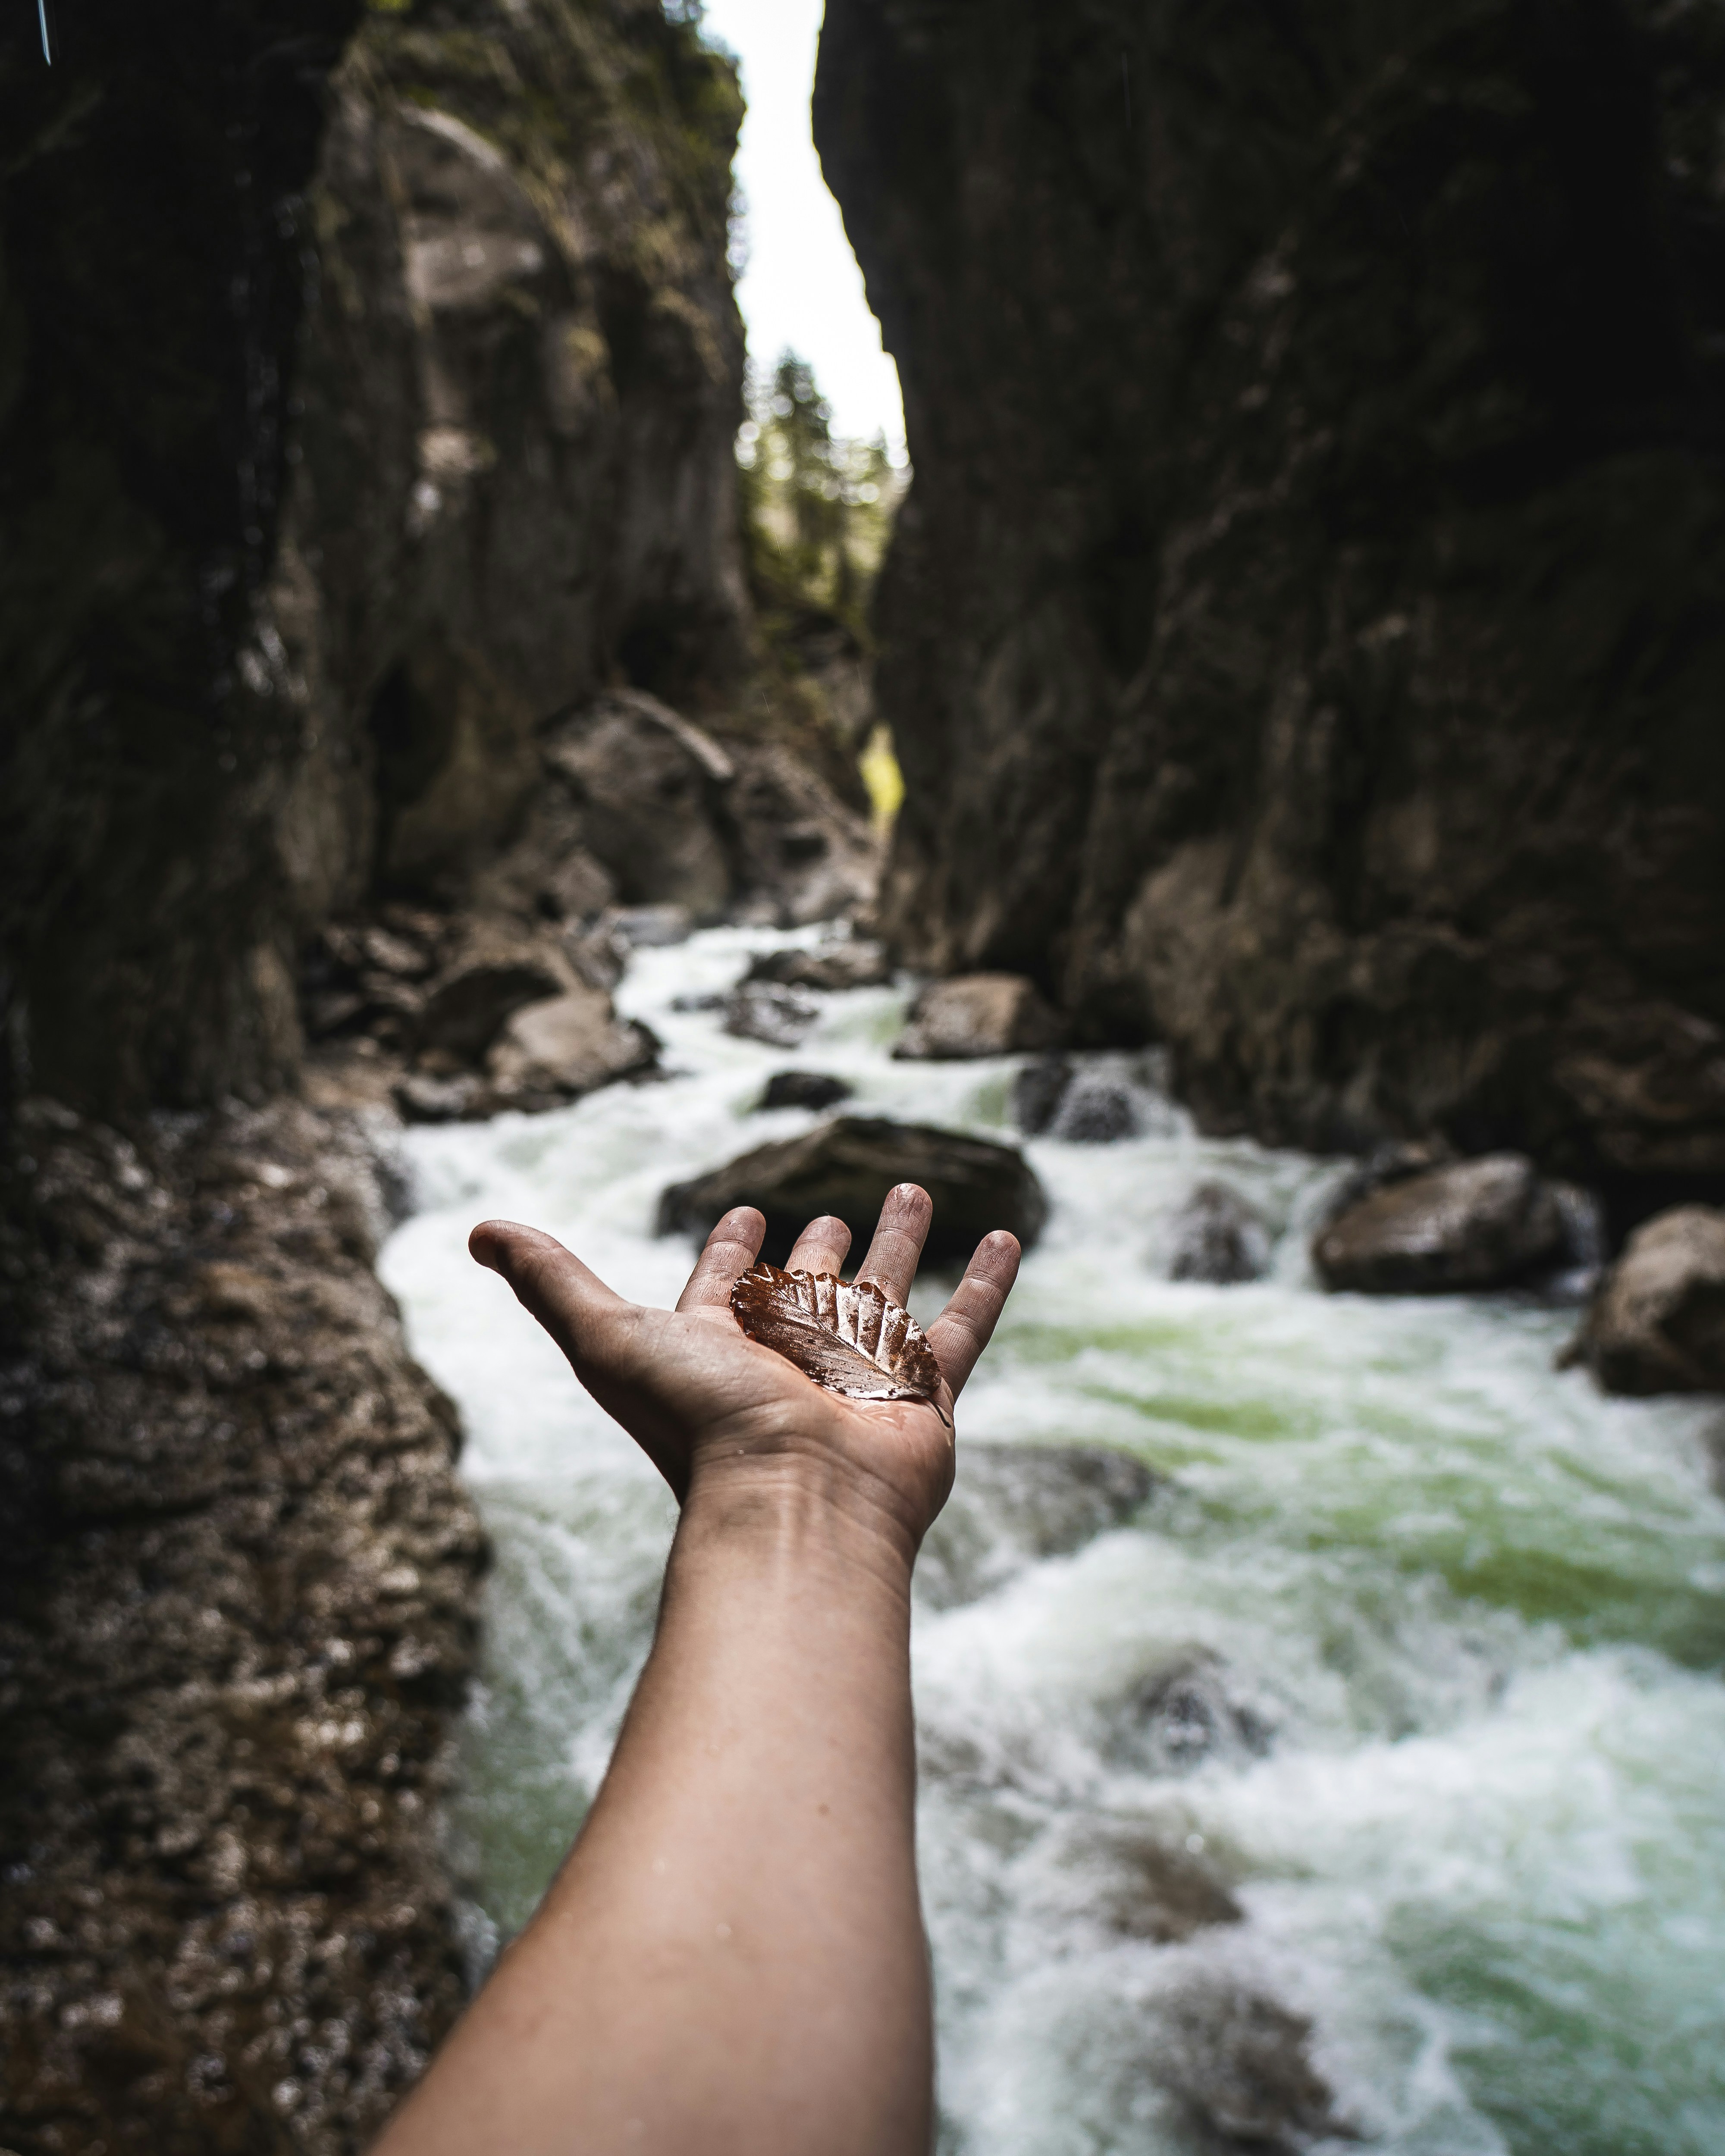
(966, 1324)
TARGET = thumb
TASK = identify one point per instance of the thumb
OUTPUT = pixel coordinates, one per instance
(570, 1301)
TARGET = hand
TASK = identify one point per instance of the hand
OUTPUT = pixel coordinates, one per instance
(711, 1408)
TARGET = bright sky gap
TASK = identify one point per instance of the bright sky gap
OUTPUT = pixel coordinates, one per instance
(801, 286)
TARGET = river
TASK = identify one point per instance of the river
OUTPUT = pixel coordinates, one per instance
(1413, 1648)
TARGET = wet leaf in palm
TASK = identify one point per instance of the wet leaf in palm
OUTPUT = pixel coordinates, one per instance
(848, 1336)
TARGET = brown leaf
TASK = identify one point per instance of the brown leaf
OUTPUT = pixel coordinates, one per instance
(849, 1337)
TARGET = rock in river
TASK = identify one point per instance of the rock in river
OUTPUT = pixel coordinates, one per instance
(848, 1166)
(564, 1046)
(855, 964)
(1658, 1324)
(496, 970)
(805, 1089)
(1014, 1504)
(977, 1014)
(760, 1011)
(1216, 1236)
(1480, 1224)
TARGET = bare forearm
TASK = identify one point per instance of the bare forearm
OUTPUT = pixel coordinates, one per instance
(732, 1957)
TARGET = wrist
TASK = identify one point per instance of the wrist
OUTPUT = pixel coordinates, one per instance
(799, 1510)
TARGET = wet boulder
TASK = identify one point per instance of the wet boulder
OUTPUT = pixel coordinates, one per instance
(758, 1010)
(1658, 1323)
(1013, 1505)
(802, 854)
(977, 1015)
(1097, 1108)
(1480, 1224)
(564, 1046)
(847, 1166)
(805, 1089)
(855, 964)
(495, 969)
(1038, 1088)
(651, 790)
(1216, 1236)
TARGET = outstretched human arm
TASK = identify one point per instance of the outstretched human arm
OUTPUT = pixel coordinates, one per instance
(731, 1961)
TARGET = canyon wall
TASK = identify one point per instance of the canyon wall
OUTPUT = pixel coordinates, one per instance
(368, 386)
(1302, 640)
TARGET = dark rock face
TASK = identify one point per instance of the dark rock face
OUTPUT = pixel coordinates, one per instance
(237, 1606)
(1482, 1224)
(847, 1166)
(1658, 1323)
(154, 221)
(1301, 639)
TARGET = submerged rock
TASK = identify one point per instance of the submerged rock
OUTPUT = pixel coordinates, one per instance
(1192, 1709)
(1014, 1504)
(1216, 1236)
(1240, 2064)
(848, 1166)
(1658, 1323)
(1480, 1224)
(805, 1089)
(977, 1014)
(1129, 1878)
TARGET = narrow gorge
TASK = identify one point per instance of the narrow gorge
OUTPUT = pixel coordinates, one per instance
(1301, 642)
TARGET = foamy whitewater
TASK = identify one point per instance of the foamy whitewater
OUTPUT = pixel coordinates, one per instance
(1467, 1616)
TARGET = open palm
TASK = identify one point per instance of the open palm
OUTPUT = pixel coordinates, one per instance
(694, 1391)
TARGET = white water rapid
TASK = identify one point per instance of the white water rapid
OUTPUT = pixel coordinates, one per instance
(1414, 1648)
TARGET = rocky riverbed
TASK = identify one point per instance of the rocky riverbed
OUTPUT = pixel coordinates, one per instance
(1318, 1694)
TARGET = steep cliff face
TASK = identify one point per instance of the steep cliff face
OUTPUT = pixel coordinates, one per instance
(150, 234)
(512, 475)
(1302, 640)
